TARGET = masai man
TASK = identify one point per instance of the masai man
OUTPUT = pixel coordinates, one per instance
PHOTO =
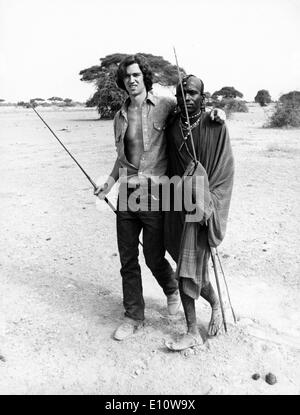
(189, 239)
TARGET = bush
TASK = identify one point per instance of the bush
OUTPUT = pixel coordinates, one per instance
(236, 106)
(231, 105)
(285, 115)
(292, 98)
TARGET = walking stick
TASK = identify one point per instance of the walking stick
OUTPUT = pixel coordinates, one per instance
(218, 287)
(233, 314)
(81, 168)
(195, 159)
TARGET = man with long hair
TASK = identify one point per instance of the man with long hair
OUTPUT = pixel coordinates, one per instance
(139, 129)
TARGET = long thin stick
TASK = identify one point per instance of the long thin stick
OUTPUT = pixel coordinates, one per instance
(218, 287)
(233, 314)
(73, 158)
(81, 168)
(185, 108)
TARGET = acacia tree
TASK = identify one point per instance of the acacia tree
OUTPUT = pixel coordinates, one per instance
(108, 98)
(263, 97)
(227, 92)
(55, 99)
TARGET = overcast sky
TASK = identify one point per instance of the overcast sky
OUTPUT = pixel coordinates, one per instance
(248, 44)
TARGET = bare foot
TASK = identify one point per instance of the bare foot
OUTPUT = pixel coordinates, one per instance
(185, 342)
(216, 321)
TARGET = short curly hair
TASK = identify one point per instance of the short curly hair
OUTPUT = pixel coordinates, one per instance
(144, 67)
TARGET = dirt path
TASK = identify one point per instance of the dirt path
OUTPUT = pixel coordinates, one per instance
(61, 289)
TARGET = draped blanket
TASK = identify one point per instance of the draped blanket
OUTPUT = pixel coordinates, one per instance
(189, 242)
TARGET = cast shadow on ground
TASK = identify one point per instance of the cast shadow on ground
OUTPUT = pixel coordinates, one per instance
(157, 315)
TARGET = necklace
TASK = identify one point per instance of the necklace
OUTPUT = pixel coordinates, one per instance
(184, 134)
(185, 127)
(192, 116)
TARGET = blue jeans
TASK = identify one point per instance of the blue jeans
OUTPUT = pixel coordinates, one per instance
(129, 226)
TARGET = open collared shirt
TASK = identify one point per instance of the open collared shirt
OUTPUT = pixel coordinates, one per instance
(155, 111)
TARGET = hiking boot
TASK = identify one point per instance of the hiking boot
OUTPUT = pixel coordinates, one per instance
(173, 301)
(127, 328)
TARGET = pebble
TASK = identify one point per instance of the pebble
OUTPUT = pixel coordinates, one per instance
(271, 379)
(2, 358)
(256, 376)
(188, 352)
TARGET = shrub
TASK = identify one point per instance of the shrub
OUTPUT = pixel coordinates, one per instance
(287, 111)
(236, 106)
(231, 105)
(292, 98)
(285, 115)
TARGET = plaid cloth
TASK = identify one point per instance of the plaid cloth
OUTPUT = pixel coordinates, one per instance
(189, 242)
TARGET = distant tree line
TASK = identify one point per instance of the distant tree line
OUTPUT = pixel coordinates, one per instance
(53, 101)
(108, 98)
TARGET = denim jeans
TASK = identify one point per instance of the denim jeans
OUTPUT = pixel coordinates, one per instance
(129, 226)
